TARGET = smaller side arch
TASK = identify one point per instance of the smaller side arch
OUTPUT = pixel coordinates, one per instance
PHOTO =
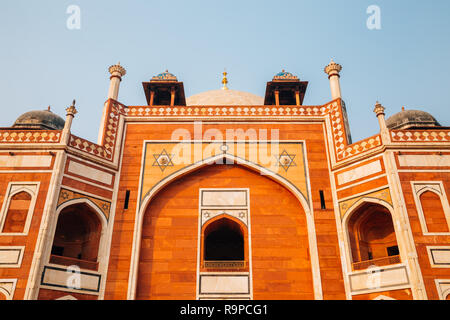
(433, 210)
(22, 220)
(17, 212)
(349, 248)
(94, 209)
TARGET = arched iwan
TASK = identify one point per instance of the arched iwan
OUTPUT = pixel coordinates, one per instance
(141, 209)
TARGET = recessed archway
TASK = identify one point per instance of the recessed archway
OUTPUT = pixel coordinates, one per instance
(371, 235)
(79, 235)
(169, 243)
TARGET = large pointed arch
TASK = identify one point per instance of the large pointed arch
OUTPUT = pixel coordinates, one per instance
(305, 204)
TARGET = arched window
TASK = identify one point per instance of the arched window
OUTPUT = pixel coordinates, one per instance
(17, 213)
(77, 237)
(434, 212)
(224, 241)
(224, 245)
(372, 237)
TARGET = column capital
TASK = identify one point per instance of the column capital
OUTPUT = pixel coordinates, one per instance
(71, 111)
(117, 70)
(379, 109)
(333, 68)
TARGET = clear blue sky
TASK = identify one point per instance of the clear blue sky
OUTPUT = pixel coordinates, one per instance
(403, 64)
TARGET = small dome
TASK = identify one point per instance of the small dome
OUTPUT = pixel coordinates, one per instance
(225, 98)
(407, 119)
(284, 75)
(165, 76)
(39, 120)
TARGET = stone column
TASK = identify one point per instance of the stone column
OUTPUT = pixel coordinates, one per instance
(70, 114)
(277, 97)
(117, 72)
(333, 70)
(384, 131)
(297, 97)
(172, 96)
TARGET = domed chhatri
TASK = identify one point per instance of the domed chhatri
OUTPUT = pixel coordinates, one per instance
(285, 76)
(408, 119)
(165, 76)
(39, 120)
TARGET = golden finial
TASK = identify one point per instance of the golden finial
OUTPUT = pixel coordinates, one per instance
(224, 80)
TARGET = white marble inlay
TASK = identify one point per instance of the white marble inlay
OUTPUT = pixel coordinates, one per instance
(359, 172)
(441, 256)
(89, 172)
(56, 277)
(25, 161)
(424, 161)
(224, 198)
(387, 277)
(224, 284)
(10, 256)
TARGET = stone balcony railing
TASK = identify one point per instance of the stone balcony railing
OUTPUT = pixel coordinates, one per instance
(66, 261)
(376, 262)
(224, 265)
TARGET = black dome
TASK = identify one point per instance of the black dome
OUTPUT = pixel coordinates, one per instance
(408, 119)
(40, 120)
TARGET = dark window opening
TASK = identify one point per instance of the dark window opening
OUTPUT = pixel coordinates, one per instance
(57, 251)
(224, 241)
(322, 200)
(393, 251)
(162, 98)
(127, 199)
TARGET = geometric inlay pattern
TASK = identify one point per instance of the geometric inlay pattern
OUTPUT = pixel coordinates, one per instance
(163, 160)
(66, 195)
(383, 194)
(286, 160)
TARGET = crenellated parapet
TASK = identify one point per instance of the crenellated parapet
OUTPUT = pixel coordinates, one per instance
(30, 136)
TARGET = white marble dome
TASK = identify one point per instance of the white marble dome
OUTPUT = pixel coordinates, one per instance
(225, 98)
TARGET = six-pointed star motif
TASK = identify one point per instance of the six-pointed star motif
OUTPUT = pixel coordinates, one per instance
(286, 160)
(163, 160)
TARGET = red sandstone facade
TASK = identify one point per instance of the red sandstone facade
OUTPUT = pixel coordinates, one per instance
(269, 201)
